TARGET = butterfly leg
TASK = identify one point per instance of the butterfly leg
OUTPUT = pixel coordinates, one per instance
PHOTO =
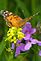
(8, 24)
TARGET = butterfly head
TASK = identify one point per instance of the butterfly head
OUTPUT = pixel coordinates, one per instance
(5, 13)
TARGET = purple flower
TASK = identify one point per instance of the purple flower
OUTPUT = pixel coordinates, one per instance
(28, 29)
(39, 43)
(33, 30)
(19, 47)
(28, 46)
(27, 37)
(29, 41)
(33, 41)
(12, 47)
(40, 53)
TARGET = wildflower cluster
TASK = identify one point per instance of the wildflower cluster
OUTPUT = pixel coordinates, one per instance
(13, 34)
(17, 35)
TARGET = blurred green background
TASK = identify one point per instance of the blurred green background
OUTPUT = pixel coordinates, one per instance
(23, 8)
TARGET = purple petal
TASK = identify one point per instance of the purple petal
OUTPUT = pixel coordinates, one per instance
(28, 46)
(22, 47)
(40, 53)
(26, 28)
(12, 47)
(33, 30)
(17, 51)
(27, 37)
(18, 41)
(33, 41)
(39, 43)
(28, 25)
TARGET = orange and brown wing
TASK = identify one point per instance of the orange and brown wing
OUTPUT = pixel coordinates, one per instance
(15, 21)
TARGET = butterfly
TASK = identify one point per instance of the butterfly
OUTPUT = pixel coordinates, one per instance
(13, 20)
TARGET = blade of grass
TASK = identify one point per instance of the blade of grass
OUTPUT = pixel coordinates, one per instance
(23, 8)
(35, 9)
(2, 45)
(35, 6)
(3, 4)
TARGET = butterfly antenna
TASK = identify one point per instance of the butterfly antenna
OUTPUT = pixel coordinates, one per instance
(27, 19)
(36, 14)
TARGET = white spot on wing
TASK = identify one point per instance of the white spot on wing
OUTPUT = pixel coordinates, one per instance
(10, 13)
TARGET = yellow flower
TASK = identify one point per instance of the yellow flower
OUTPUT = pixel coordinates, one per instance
(19, 29)
(20, 35)
(14, 33)
(14, 40)
(9, 37)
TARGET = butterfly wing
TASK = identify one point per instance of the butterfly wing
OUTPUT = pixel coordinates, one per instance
(15, 21)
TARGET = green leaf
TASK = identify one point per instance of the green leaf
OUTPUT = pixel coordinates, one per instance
(2, 46)
(2, 56)
(9, 57)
